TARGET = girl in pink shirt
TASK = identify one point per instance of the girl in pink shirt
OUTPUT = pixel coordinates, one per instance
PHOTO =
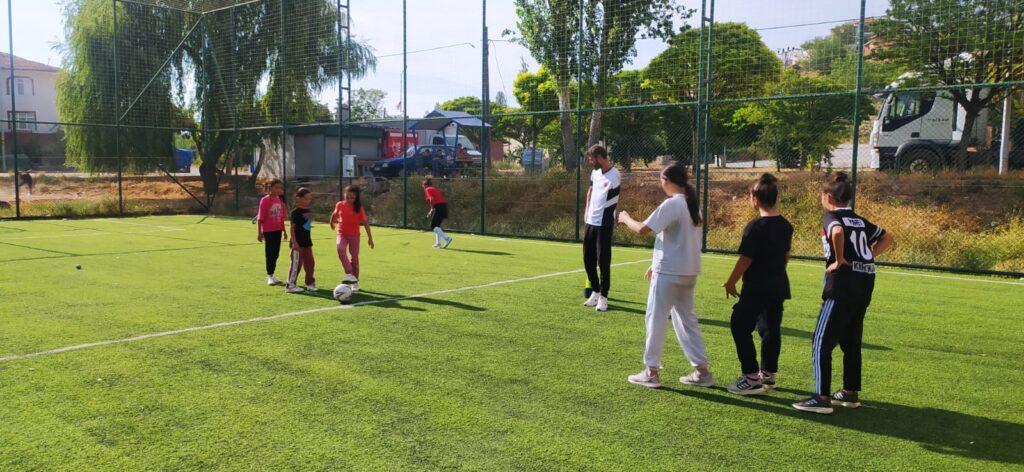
(348, 215)
(270, 224)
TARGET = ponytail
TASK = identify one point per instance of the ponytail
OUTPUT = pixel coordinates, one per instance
(765, 190)
(838, 186)
(677, 174)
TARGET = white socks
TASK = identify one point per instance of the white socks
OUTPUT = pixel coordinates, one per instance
(439, 235)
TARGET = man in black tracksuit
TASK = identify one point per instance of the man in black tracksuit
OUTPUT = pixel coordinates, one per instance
(602, 198)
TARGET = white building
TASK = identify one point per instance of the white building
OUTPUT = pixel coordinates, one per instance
(35, 89)
(34, 85)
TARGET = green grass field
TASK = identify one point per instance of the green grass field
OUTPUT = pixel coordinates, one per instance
(478, 357)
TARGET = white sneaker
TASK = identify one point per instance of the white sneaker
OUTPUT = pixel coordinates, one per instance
(437, 246)
(447, 242)
(602, 304)
(294, 289)
(592, 301)
(645, 378)
(311, 288)
(355, 287)
(697, 379)
(349, 279)
(273, 280)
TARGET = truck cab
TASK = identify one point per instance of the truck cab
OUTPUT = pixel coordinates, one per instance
(920, 130)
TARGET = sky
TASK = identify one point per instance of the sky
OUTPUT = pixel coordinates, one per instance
(445, 37)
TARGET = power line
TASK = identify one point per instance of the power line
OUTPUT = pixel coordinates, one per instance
(447, 46)
(768, 28)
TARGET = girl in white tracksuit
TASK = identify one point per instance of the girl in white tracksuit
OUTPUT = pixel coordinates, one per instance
(673, 277)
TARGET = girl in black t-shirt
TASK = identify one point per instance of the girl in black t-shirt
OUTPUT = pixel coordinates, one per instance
(302, 243)
(851, 243)
(764, 253)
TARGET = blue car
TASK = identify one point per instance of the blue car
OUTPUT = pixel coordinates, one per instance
(433, 160)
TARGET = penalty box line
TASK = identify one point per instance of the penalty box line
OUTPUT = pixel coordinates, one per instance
(227, 324)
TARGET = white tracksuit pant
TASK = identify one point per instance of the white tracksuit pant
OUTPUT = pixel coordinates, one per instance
(672, 295)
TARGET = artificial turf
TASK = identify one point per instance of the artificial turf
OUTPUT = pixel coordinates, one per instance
(468, 373)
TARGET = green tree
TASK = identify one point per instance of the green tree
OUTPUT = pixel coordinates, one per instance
(248, 70)
(550, 30)
(875, 76)
(743, 65)
(799, 132)
(533, 91)
(613, 27)
(367, 104)
(823, 51)
(956, 43)
(632, 133)
(85, 86)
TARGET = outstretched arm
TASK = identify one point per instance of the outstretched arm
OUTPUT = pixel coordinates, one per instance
(633, 225)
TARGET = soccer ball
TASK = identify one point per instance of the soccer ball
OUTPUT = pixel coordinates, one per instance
(342, 293)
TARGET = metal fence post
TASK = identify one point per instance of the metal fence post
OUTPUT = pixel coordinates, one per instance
(284, 104)
(405, 113)
(856, 103)
(341, 112)
(579, 120)
(117, 111)
(485, 136)
(14, 114)
(698, 110)
(708, 94)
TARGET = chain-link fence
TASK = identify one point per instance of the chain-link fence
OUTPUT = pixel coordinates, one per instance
(150, 106)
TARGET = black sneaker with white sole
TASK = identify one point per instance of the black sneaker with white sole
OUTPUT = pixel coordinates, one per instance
(815, 404)
(845, 399)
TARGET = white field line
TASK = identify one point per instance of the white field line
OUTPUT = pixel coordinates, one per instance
(91, 232)
(122, 222)
(225, 324)
(820, 267)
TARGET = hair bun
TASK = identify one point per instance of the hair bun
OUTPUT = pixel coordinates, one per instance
(767, 179)
(840, 177)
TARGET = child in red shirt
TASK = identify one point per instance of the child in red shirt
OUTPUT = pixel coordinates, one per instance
(348, 215)
(270, 227)
(437, 214)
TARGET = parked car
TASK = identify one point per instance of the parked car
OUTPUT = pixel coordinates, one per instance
(433, 160)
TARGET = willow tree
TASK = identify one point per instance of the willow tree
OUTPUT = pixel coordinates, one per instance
(259, 65)
(86, 84)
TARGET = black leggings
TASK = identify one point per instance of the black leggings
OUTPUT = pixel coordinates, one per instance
(597, 255)
(272, 249)
(766, 316)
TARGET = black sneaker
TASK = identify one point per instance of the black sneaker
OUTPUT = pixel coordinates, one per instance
(845, 399)
(746, 386)
(768, 380)
(815, 404)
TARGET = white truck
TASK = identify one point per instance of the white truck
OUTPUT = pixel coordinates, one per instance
(921, 130)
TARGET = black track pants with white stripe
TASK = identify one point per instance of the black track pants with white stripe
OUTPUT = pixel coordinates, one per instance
(842, 323)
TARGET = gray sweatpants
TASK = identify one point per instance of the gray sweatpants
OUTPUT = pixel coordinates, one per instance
(672, 296)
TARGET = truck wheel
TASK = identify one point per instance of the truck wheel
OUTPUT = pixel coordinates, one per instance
(920, 160)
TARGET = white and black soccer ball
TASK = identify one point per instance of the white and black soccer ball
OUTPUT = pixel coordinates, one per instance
(342, 293)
